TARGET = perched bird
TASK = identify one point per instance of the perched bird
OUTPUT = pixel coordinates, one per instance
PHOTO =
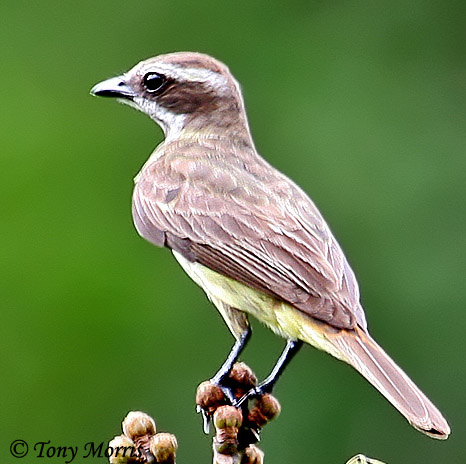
(244, 232)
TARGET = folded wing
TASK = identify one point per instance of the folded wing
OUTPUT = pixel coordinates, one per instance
(250, 223)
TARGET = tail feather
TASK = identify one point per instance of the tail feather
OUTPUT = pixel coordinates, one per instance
(359, 350)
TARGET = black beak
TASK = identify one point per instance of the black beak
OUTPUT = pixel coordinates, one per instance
(115, 87)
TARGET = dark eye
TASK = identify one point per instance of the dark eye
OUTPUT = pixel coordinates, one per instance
(153, 82)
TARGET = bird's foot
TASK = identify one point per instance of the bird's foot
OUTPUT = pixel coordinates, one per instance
(206, 413)
(215, 398)
(254, 393)
(224, 383)
(209, 397)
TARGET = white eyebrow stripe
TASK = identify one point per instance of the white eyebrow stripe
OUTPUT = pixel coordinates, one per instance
(214, 79)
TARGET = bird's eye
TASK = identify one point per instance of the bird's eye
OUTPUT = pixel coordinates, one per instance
(154, 82)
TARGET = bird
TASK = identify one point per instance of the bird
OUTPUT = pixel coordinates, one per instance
(249, 236)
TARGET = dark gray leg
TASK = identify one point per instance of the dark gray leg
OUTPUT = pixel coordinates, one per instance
(291, 348)
(223, 372)
(235, 351)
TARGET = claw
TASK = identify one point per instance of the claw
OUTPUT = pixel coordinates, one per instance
(256, 435)
(205, 419)
(255, 392)
(228, 394)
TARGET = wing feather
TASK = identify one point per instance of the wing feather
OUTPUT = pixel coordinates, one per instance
(249, 222)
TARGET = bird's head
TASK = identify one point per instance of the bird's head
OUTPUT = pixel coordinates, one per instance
(180, 90)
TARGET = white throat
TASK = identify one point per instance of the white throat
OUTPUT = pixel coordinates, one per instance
(171, 123)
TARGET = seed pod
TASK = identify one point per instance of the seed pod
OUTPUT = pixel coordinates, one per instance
(163, 446)
(253, 455)
(209, 396)
(137, 424)
(227, 420)
(243, 375)
(228, 417)
(266, 408)
(122, 450)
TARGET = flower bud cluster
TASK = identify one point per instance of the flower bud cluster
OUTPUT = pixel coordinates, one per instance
(237, 429)
(141, 444)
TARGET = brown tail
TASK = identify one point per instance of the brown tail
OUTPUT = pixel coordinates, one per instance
(360, 351)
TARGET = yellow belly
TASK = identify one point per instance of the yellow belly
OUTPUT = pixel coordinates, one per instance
(281, 317)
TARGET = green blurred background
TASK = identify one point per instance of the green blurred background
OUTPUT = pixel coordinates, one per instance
(362, 103)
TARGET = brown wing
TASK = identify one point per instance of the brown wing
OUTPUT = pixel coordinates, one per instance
(249, 222)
